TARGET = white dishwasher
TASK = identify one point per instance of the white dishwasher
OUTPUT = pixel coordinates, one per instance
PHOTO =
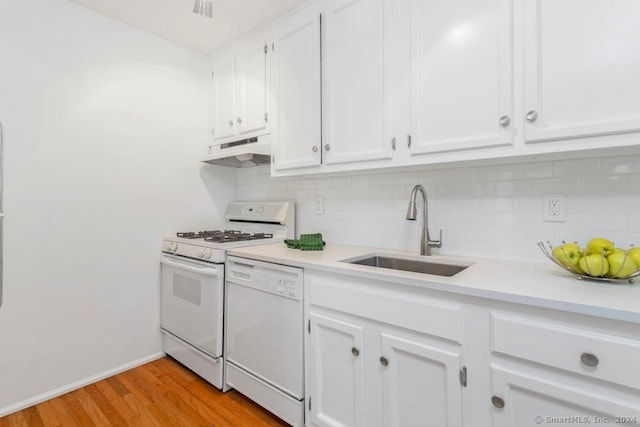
(264, 335)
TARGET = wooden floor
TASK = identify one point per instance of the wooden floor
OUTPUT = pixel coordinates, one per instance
(161, 393)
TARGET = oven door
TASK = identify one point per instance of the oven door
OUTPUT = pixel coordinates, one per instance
(192, 302)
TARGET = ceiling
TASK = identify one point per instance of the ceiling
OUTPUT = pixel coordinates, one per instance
(174, 19)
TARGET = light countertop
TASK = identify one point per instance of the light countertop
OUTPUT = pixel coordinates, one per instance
(536, 284)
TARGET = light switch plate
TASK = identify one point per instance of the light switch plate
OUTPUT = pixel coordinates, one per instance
(319, 207)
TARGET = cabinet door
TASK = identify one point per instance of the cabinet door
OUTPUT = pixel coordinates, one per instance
(461, 74)
(527, 400)
(222, 99)
(296, 92)
(421, 384)
(582, 62)
(251, 88)
(336, 376)
(356, 81)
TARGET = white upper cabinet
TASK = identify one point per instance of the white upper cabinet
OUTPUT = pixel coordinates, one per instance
(296, 97)
(582, 63)
(357, 119)
(222, 99)
(461, 74)
(252, 87)
(240, 93)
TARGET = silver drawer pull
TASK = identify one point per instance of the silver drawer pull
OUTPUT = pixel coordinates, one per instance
(355, 351)
(384, 361)
(589, 359)
(497, 401)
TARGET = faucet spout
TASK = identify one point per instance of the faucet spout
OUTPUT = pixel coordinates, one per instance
(425, 242)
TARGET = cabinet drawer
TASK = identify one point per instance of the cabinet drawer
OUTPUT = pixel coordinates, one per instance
(566, 346)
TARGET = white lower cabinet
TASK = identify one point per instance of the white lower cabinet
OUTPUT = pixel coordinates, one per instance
(356, 365)
(552, 371)
(421, 383)
(524, 399)
(384, 354)
(337, 371)
(368, 370)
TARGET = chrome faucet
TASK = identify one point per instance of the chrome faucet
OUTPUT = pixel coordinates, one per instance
(425, 242)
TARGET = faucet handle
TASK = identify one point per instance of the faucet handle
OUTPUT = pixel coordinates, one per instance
(434, 243)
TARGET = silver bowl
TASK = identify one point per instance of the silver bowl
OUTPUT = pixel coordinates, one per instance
(548, 251)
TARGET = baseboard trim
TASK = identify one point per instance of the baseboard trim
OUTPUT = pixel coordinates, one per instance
(77, 384)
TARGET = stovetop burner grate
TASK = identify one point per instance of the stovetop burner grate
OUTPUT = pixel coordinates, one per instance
(224, 236)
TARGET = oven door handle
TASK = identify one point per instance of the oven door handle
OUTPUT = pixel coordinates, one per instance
(207, 271)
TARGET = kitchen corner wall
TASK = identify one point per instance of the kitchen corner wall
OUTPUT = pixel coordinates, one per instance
(104, 126)
(485, 211)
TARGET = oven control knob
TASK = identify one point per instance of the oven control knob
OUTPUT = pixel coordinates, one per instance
(174, 247)
(260, 209)
(207, 253)
(167, 247)
(200, 253)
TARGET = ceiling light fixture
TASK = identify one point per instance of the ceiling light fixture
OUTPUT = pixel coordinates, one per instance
(204, 8)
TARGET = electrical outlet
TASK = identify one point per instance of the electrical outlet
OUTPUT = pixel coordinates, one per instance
(319, 210)
(554, 208)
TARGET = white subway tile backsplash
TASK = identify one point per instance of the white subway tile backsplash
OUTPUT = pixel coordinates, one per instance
(621, 165)
(580, 167)
(496, 173)
(602, 185)
(554, 186)
(382, 180)
(634, 184)
(536, 170)
(488, 211)
(466, 175)
(494, 204)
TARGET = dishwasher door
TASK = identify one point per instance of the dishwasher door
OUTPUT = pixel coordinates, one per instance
(264, 323)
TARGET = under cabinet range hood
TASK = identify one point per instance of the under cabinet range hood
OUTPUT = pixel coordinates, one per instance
(239, 154)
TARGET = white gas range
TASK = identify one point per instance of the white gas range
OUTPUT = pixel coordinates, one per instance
(193, 277)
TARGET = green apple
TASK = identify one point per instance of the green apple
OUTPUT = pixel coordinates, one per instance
(600, 246)
(621, 265)
(594, 264)
(634, 254)
(569, 255)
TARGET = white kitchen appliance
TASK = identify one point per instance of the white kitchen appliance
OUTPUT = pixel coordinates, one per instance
(192, 285)
(264, 335)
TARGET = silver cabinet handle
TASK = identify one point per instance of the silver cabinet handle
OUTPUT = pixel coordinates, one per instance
(384, 361)
(327, 147)
(497, 401)
(314, 149)
(230, 122)
(239, 120)
(355, 351)
(505, 120)
(589, 359)
(532, 116)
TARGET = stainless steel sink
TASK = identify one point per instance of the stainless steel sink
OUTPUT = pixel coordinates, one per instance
(408, 264)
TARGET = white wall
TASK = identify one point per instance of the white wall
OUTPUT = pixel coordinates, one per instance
(103, 128)
(487, 211)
